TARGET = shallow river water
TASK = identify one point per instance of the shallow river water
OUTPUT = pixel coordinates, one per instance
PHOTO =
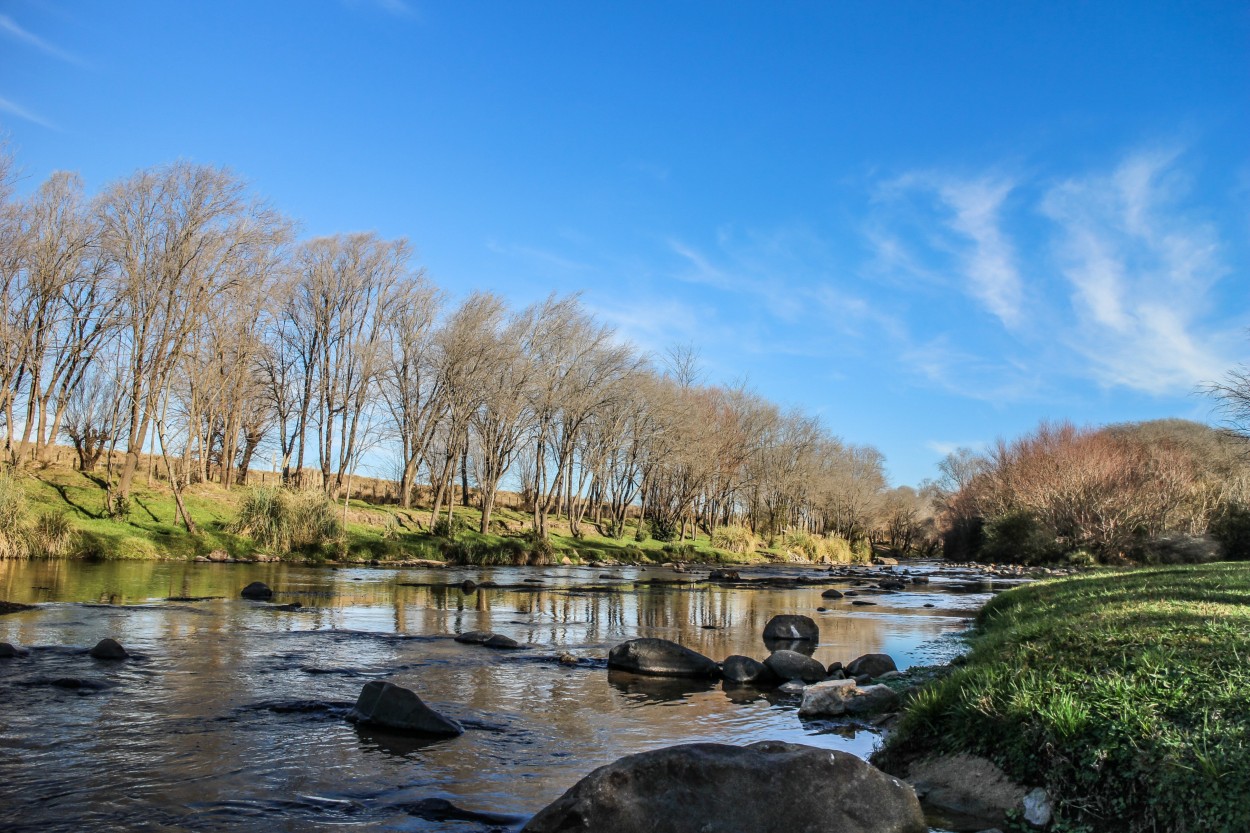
(230, 715)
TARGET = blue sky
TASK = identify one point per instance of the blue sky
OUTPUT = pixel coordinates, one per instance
(930, 223)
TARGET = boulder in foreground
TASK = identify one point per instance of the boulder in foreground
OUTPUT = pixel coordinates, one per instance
(388, 706)
(661, 658)
(767, 787)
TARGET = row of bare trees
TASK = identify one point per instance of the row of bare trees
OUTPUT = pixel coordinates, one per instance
(175, 317)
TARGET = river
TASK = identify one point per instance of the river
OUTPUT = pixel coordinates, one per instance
(230, 713)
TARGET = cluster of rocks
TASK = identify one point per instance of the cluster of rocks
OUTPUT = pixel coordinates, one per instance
(827, 692)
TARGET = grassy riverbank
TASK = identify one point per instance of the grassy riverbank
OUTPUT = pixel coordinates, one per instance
(381, 532)
(1126, 695)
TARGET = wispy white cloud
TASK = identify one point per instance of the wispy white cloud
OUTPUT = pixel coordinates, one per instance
(21, 112)
(1140, 271)
(10, 28)
(964, 223)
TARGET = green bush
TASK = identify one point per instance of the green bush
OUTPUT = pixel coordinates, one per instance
(664, 529)
(1231, 528)
(286, 520)
(1019, 538)
(861, 551)
(680, 551)
(449, 528)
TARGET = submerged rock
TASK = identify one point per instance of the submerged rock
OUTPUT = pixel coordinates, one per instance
(791, 665)
(661, 658)
(487, 638)
(740, 669)
(257, 590)
(108, 649)
(389, 706)
(718, 788)
(792, 626)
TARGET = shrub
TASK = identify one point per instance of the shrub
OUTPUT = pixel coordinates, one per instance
(1019, 538)
(1231, 528)
(802, 543)
(679, 551)
(838, 550)
(541, 552)
(50, 535)
(12, 518)
(737, 539)
(449, 528)
(632, 553)
(286, 520)
(861, 551)
(664, 529)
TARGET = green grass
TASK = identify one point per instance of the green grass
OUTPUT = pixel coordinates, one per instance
(372, 532)
(1127, 695)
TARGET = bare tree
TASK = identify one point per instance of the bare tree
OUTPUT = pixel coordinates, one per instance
(176, 237)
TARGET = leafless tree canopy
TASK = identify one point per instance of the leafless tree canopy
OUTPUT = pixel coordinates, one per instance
(173, 314)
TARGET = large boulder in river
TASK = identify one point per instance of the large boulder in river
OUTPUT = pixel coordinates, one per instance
(661, 658)
(791, 665)
(108, 649)
(393, 707)
(740, 669)
(7, 651)
(257, 590)
(871, 665)
(766, 787)
(791, 626)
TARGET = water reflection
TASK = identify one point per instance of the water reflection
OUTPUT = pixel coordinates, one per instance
(232, 717)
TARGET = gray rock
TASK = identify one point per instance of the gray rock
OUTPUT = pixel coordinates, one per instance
(389, 706)
(498, 640)
(968, 785)
(874, 665)
(791, 665)
(792, 626)
(473, 637)
(661, 658)
(717, 788)
(740, 669)
(468, 585)
(831, 594)
(796, 687)
(826, 699)
(873, 698)
(108, 649)
(257, 590)
(1037, 807)
(7, 651)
